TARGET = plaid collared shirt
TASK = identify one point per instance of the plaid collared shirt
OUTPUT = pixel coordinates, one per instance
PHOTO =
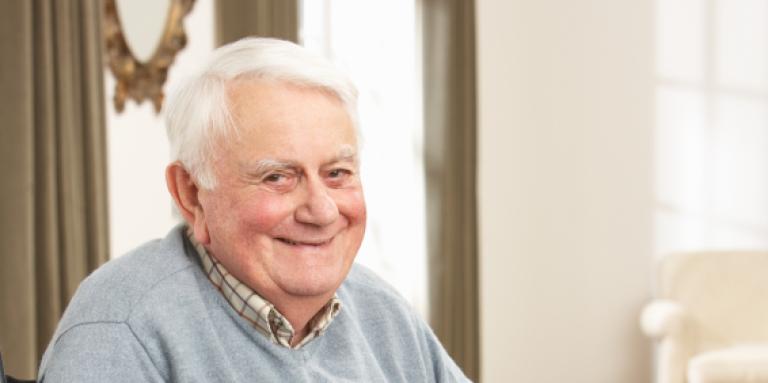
(258, 311)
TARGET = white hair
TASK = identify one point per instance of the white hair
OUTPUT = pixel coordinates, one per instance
(198, 113)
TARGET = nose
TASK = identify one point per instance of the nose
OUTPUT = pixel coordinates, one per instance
(318, 207)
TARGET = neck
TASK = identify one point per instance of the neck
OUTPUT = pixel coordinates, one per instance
(299, 312)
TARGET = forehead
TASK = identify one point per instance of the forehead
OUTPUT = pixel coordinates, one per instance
(278, 119)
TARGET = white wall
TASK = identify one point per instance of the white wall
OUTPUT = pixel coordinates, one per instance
(140, 207)
(611, 134)
(565, 188)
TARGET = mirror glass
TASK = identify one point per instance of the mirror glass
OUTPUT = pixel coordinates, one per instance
(143, 23)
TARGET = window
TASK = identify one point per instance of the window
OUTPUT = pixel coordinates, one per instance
(712, 124)
(375, 42)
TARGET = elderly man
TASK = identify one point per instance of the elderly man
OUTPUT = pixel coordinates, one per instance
(259, 284)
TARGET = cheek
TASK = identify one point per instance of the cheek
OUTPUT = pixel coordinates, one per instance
(351, 204)
(263, 213)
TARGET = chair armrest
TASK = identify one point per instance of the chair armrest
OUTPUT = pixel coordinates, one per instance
(662, 318)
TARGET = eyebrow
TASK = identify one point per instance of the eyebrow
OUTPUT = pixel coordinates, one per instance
(347, 153)
(268, 164)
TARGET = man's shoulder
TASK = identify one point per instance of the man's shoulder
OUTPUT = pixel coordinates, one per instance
(116, 288)
(362, 279)
(386, 320)
(364, 288)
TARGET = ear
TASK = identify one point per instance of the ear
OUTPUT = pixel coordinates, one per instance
(186, 195)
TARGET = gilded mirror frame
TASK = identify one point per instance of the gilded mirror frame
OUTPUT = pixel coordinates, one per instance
(143, 80)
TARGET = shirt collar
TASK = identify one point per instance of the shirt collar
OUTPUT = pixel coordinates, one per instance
(262, 314)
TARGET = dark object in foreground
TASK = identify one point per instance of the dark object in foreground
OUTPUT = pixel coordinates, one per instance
(9, 379)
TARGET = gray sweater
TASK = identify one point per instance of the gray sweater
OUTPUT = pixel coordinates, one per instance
(153, 316)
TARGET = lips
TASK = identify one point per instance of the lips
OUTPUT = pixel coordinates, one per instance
(305, 242)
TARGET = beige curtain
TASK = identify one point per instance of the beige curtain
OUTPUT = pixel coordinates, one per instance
(236, 19)
(450, 130)
(53, 222)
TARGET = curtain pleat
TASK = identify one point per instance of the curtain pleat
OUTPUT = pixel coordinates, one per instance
(236, 19)
(17, 337)
(53, 226)
(450, 163)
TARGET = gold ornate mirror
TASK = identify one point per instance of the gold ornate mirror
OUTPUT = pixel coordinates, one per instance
(139, 56)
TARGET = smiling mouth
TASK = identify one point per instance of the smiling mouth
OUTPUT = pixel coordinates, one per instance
(318, 243)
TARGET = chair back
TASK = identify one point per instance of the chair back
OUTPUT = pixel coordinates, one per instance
(725, 294)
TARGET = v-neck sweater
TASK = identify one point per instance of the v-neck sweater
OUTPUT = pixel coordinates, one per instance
(153, 316)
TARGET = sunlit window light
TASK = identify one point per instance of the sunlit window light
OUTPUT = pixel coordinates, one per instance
(381, 59)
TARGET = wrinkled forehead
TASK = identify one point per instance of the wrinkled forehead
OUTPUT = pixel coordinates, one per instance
(252, 82)
(270, 116)
(252, 90)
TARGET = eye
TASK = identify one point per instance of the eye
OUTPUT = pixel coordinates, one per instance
(336, 173)
(339, 177)
(279, 180)
(274, 177)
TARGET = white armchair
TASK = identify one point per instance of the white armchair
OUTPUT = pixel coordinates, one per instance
(711, 318)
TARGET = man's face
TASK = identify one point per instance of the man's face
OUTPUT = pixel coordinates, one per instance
(287, 215)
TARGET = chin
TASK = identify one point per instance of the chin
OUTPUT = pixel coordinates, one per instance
(303, 289)
(313, 283)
